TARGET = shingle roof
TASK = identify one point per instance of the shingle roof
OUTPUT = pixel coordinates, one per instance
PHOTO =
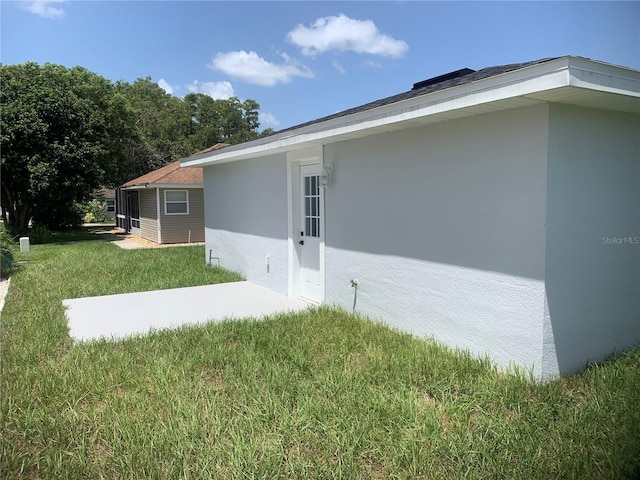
(106, 192)
(169, 174)
(430, 88)
(464, 76)
(217, 146)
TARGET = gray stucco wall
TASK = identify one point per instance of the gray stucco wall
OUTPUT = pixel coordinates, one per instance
(494, 233)
(246, 218)
(593, 236)
(444, 228)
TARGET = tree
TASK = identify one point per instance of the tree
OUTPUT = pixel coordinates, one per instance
(59, 132)
(67, 132)
(205, 120)
(221, 120)
(162, 127)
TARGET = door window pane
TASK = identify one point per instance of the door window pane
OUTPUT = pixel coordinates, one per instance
(312, 206)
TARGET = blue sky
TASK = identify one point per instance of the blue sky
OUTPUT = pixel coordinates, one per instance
(303, 60)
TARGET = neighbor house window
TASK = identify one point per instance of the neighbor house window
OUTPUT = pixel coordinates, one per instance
(176, 202)
(111, 205)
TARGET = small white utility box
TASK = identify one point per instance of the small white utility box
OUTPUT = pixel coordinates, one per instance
(24, 244)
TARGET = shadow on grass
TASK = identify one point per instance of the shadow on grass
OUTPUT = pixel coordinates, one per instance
(81, 234)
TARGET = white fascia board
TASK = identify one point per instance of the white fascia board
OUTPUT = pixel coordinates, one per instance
(603, 77)
(181, 186)
(535, 79)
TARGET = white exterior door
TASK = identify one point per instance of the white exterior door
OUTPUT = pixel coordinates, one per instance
(310, 232)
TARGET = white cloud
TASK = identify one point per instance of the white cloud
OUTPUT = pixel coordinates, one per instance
(216, 90)
(345, 34)
(252, 68)
(371, 64)
(268, 119)
(338, 67)
(43, 8)
(166, 86)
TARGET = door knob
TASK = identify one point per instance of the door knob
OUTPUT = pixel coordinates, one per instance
(301, 242)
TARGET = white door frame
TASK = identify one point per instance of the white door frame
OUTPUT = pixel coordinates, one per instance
(296, 158)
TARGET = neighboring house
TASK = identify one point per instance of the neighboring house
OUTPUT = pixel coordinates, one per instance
(496, 210)
(110, 200)
(163, 206)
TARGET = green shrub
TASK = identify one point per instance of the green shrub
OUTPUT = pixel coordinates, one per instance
(7, 248)
(58, 216)
(39, 234)
(94, 211)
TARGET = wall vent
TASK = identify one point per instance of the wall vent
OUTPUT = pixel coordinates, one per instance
(442, 78)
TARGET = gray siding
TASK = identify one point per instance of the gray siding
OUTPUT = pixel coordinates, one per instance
(148, 215)
(176, 228)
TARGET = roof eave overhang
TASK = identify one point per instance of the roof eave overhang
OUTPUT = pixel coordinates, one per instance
(533, 84)
(146, 186)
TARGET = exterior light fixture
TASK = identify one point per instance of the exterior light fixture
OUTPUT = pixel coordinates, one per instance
(325, 177)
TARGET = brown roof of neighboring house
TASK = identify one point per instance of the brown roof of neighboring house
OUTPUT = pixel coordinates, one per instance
(217, 146)
(173, 173)
(106, 192)
(169, 174)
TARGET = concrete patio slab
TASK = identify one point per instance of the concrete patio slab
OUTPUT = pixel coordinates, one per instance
(127, 244)
(120, 316)
(119, 239)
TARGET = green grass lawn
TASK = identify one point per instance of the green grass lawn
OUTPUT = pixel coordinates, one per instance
(318, 394)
